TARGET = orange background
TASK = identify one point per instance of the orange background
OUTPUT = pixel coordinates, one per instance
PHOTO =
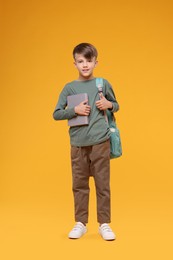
(134, 40)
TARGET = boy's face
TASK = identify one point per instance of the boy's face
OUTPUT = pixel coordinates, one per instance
(85, 66)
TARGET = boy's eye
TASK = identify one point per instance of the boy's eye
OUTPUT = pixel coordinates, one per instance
(81, 61)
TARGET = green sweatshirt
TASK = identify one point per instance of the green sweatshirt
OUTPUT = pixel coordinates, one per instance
(97, 131)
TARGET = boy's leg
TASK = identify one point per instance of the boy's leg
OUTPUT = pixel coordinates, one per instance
(80, 174)
(100, 169)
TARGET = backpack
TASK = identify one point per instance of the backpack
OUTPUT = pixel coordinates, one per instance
(115, 140)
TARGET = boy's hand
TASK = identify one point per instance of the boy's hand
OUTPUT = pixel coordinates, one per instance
(103, 103)
(83, 109)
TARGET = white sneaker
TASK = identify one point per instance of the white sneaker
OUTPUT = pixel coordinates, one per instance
(78, 230)
(106, 232)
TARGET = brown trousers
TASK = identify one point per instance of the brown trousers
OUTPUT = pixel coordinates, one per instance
(91, 161)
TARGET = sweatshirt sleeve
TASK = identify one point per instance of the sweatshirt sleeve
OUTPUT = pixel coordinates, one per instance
(110, 95)
(61, 111)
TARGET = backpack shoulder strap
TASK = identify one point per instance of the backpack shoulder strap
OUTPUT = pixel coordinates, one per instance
(99, 84)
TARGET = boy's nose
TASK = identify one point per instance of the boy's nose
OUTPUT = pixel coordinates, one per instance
(85, 64)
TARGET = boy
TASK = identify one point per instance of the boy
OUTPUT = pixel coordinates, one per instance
(90, 147)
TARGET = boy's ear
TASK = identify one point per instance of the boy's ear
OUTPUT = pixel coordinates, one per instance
(74, 63)
(96, 63)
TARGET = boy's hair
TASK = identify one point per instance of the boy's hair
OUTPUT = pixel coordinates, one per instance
(86, 49)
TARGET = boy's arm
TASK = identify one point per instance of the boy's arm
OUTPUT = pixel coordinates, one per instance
(61, 112)
(110, 95)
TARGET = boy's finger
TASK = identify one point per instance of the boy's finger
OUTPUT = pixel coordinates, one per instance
(85, 102)
(101, 95)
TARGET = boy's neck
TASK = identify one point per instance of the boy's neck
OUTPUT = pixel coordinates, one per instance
(85, 79)
(80, 78)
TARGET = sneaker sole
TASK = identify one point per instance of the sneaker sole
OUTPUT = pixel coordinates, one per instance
(70, 237)
(107, 239)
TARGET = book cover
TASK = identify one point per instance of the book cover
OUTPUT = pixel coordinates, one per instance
(73, 101)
